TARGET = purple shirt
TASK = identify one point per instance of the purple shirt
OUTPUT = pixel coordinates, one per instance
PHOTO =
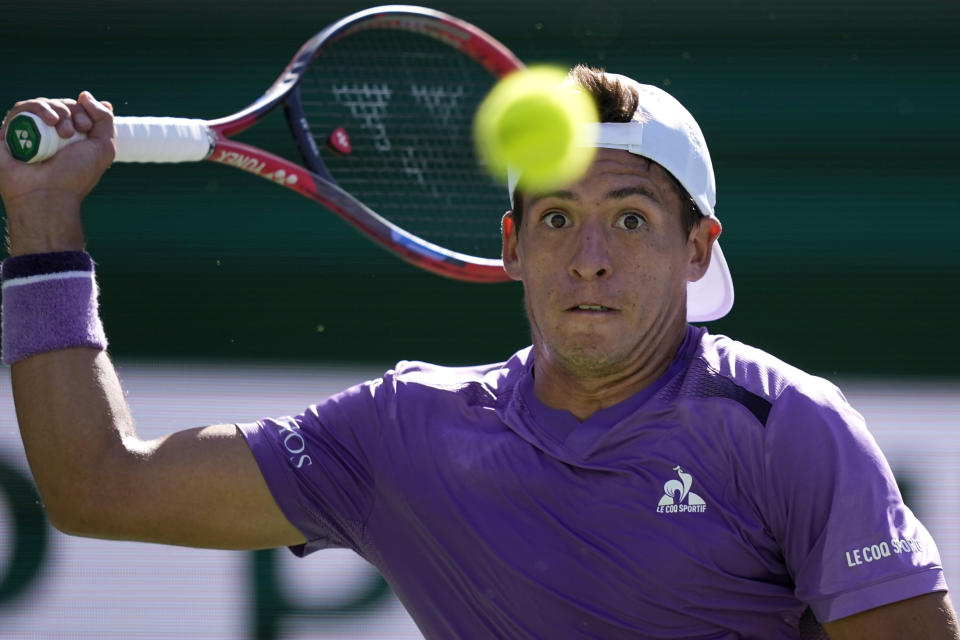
(720, 502)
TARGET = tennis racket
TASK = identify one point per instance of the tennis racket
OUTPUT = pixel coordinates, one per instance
(381, 106)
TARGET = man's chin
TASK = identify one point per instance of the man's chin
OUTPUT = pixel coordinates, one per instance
(588, 359)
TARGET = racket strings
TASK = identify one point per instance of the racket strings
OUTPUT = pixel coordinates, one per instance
(406, 102)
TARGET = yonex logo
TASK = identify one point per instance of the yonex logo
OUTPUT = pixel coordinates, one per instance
(339, 142)
(257, 166)
(677, 497)
(282, 177)
(23, 137)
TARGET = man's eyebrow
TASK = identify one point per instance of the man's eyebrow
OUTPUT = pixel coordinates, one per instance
(616, 194)
(561, 194)
(638, 190)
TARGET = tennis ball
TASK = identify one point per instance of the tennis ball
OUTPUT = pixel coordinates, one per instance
(534, 123)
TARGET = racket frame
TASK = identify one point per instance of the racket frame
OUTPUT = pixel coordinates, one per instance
(315, 181)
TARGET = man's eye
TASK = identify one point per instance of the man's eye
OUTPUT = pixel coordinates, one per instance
(556, 220)
(630, 221)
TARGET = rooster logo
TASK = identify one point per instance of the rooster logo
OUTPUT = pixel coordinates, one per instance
(677, 492)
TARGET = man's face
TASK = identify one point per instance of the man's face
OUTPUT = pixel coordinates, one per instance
(604, 264)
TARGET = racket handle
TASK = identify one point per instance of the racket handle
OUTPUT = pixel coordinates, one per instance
(139, 139)
(30, 139)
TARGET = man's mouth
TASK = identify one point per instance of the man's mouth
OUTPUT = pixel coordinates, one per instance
(596, 308)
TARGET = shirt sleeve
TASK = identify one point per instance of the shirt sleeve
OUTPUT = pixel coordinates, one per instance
(319, 465)
(848, 540)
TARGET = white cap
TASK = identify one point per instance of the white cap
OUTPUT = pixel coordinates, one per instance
(664, 131)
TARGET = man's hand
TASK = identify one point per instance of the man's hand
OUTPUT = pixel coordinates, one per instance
(42, 200)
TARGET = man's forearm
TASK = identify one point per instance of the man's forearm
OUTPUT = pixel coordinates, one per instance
(73, 420)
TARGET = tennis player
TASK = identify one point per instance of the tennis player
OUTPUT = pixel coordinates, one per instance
(629, 475)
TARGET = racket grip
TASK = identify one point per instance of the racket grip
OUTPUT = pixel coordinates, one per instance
(30, 139)
(139, 139)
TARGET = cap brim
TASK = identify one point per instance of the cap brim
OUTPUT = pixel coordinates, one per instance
(711, 297)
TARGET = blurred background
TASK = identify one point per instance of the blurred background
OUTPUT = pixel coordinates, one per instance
(833, 128)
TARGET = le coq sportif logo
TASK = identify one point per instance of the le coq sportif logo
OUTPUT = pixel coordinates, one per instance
(677, 496)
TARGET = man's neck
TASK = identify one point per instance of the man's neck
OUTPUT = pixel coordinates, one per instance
(583, 393)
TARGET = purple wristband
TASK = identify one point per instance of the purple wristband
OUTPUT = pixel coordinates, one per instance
(49, 303)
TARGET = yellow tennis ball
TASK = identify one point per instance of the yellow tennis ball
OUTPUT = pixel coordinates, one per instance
(534, 122)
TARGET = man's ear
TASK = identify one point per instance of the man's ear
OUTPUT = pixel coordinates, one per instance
(700, 242)
(511, 257)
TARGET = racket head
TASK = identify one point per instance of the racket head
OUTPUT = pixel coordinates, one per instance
(381, 103)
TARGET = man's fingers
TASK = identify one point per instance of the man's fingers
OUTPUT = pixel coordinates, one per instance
(67, 115)
(96, 109)
(64, 122)
(99, 114)
(81, 121)
(55, 113)
(39, 106)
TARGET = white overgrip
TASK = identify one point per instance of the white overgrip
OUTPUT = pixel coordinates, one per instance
(139, 139)
(154, 139)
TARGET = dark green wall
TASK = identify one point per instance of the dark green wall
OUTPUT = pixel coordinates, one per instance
(833, 129)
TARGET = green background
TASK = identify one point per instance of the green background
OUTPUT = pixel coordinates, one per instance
(832, 126)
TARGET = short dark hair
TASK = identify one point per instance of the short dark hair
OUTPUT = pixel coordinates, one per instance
(616, 103)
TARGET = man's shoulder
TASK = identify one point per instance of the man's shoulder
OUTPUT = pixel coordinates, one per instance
(757, 370)
(418, 388)
(722, 366)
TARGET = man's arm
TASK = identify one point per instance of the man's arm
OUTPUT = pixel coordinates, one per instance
(199, 487)
(926, 617)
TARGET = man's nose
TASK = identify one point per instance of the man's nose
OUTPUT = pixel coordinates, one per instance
(592, 256)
